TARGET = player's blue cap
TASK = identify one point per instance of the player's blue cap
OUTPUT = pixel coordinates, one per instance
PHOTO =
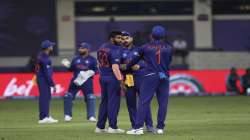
(46, 44)
(125, 33)
(158, 31)
(85, 45)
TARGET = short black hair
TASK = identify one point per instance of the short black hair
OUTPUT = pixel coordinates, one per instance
(114, 33)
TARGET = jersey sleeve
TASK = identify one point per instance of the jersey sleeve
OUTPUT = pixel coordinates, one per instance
(94, 65)
(71, 68)
(115, 56)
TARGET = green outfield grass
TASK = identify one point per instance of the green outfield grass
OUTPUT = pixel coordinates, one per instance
(189, 118)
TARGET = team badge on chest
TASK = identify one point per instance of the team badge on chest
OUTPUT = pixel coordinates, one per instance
(87, 61)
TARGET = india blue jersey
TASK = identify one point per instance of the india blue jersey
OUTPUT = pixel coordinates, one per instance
(80, 63)
(107, 55)
(157, 56)
(44, 68)
(127, 56)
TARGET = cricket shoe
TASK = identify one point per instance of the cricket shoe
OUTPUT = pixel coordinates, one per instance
(99, 130)
(44, 120)
(159, 131)
(92, 119)
(113, 131)
(135, 131)
(52, 120)
(67, 118)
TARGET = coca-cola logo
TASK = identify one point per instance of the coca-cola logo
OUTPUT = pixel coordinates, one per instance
(25, 88)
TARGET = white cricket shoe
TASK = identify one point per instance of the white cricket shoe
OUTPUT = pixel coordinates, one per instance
(67, 118)
(44, 120)
(159, 131)
(135, 131)
(99, 130)
(92, 119)
(113, 131)
(52, 120)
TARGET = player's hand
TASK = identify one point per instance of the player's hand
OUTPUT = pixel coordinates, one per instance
(53, 89)
(162, 75)
(135, 67)
(65, 62)
(123, 67)
(123, 86)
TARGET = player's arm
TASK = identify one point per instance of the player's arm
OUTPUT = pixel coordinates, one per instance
(45, 69)
(139, 65)
(72, 65)
(94, 66)
(135, 59)
(115, 60)
(117, 72)
(67, 64)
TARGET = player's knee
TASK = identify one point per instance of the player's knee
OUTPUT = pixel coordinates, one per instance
(91, 97)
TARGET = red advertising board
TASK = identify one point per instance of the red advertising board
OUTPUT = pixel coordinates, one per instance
(23, 84)
(211, 82)
(188, 82)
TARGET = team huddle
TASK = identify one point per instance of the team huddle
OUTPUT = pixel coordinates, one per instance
(140, 72)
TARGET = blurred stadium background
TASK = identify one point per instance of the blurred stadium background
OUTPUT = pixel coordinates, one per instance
(217, 33)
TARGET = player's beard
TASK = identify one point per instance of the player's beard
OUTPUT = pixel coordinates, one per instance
(50, 51)
(127, 44)
(83, 53)
(117, 43)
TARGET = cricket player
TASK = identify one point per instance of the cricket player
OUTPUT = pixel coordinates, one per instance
(111, 79)
(133, 79)
(84, 67)
(45, 82)
(157, 56)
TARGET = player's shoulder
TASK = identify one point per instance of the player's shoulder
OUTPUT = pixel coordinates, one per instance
(76, 57)
(39, 55)
(116, 49)
(91, 57)
(105, 44)
(135, 47)
(145, 45)
(104, 47)
(42, 56)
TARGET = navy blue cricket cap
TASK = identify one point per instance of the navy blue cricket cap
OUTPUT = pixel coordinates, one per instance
(158, 31)
(46, 44)
(125, 33)
(85, 45)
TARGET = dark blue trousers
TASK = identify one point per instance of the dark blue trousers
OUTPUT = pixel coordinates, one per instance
(44, 97)
(131, 100)
(87, 89)
(153, 84)
(110, 101)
